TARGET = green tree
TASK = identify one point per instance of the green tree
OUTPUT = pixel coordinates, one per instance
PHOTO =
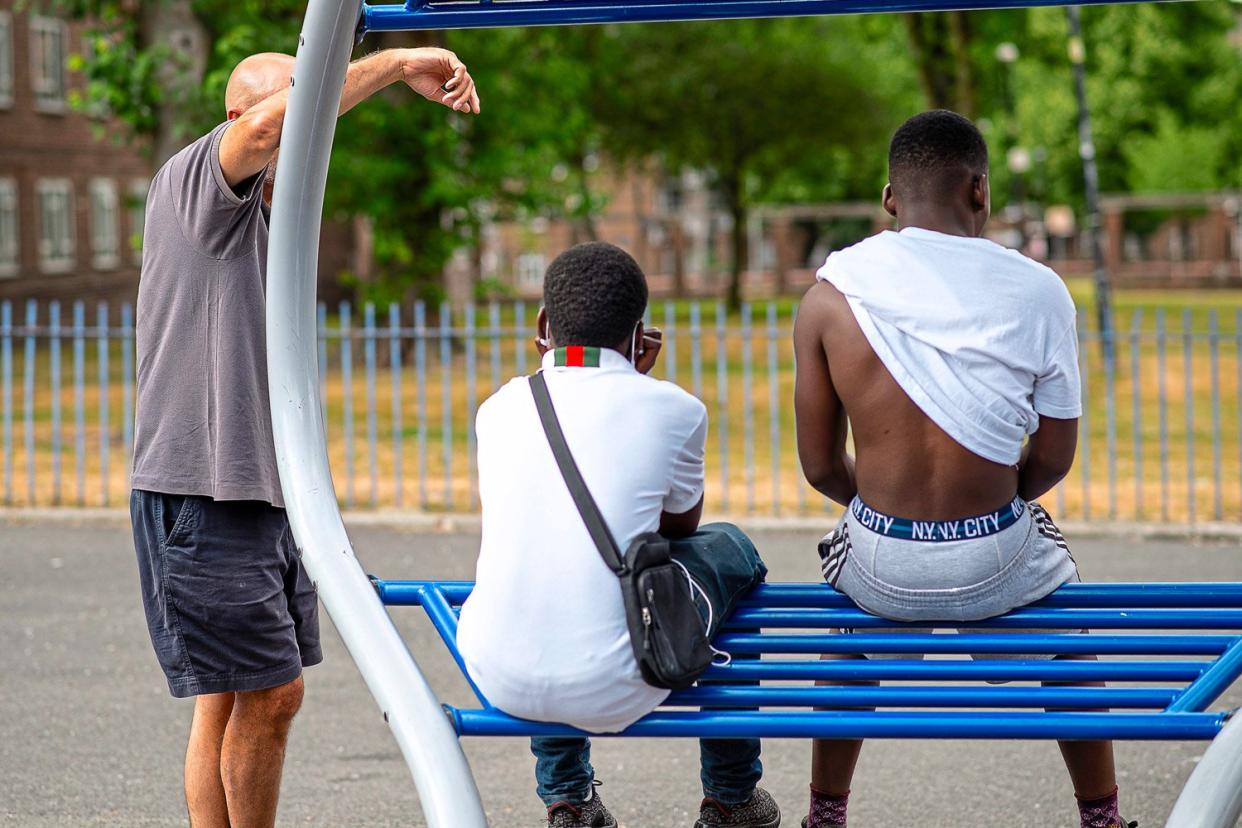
(427, 180)
(746, 102)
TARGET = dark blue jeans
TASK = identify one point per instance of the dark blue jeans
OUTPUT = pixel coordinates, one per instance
(726, 565)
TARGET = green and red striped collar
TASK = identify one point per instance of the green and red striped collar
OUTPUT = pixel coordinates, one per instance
(583, 356)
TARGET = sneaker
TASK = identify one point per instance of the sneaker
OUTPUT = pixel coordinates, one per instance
(589, 814)
(760, 811)
(807, 819)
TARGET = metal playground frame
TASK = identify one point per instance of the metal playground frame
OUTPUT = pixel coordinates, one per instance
(1189, 668)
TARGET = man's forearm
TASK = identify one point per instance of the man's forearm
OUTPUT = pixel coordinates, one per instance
(368, 75)
(1035, 480)
(837, 482)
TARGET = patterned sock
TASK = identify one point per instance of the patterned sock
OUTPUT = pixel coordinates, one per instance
(1099, 813)
(827, 810)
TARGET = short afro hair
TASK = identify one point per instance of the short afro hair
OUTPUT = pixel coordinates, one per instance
(933, 150)
(594, 295)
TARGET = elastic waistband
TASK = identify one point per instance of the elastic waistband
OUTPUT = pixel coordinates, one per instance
(938, 531)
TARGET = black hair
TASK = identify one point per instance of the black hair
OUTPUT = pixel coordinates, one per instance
(935, 149)
(594, 294)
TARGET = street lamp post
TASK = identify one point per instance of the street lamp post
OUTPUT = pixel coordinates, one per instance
(1016, 157)
(1091, 178)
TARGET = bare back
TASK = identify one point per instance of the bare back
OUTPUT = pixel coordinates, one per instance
(905, 464)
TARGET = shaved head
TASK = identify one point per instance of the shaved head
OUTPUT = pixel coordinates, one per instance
(255, 78)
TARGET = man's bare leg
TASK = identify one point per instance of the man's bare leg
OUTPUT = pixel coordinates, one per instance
(833, 760)
(832, 764)
(1091, 769)
(1090, 764)
(204, 789)
(253, 754)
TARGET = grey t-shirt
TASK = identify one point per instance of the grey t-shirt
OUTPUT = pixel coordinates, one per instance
(203, 426)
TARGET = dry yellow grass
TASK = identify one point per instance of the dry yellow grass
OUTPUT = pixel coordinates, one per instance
(769, 484)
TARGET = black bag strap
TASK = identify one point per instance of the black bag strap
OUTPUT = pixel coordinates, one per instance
(587, 508)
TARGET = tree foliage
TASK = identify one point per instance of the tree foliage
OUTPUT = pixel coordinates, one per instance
(747, 102)
(771, 111)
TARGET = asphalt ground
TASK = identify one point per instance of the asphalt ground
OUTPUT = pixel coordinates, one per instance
(89, 735)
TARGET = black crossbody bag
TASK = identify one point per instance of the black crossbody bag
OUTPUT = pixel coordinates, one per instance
(667, 633)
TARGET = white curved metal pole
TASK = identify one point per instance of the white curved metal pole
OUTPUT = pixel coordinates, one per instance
(430, 746)
(1212, 797)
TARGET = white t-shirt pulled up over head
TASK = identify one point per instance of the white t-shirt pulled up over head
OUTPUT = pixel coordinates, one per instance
(544, 635)
(980, 337)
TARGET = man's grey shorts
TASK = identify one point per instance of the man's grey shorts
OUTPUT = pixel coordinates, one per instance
(962, 580)
(228, 604)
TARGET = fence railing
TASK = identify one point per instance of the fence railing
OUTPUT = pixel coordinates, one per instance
(1161, 435)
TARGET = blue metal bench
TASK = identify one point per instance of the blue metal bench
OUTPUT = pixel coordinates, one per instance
(1168, 652)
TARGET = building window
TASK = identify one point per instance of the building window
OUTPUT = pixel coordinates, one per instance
(6, 60)
(136, 205)
(105, 221)
(56, 224)
(530, 269)
(10, 242)
(47, 63)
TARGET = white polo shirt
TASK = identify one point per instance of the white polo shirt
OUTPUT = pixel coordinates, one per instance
(544, 635)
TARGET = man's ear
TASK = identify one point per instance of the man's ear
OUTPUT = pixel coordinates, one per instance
(543, 337)
(889, 201)
(981, 193)
(981, 201)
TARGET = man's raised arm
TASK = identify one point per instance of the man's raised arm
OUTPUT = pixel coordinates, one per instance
(248, 146)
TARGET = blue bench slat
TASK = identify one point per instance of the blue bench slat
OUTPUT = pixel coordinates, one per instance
(885, 724)
(718, 695)
(1095, 595)
(748, 618)
(1000, 670)
(1033, 643)
(820, 596)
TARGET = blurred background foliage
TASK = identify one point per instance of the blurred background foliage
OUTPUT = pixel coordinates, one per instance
(786, 111)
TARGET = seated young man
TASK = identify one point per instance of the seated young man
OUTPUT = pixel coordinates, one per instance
(944, 351)
(544, 633)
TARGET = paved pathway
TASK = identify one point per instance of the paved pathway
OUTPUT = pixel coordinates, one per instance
(89, 735)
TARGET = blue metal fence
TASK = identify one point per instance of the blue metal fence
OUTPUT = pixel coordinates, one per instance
(1161, 436)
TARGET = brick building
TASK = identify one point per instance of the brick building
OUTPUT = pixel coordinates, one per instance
(73, 186)
(71, 193)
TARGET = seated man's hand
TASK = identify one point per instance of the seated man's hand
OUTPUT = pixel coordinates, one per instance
(648, 350)
(438, 75)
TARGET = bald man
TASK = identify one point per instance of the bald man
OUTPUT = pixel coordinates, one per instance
(232, 614)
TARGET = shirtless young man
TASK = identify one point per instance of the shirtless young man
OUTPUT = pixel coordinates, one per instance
(943, 351)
